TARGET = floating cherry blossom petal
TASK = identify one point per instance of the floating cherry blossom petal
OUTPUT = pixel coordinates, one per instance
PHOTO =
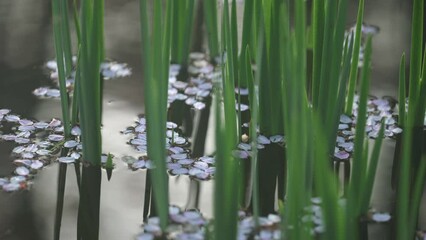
(55, 138)
(70, 144)
(66, 159)
(173, 166)
(241, 154)
(195, 171)
(11, 187)
(40, 92)
(53, 93)
(381, 217)
(22, 171)
(180, 171)
(397, 130)
(41, 125)
(207, 159)
(345, 119)
(21, 140)
(263, 140)
(12, 118)
(179, 156)
(201, 165)
(139, 164)
(76, 131)
(185, 161)
(277, 139)
(342, 155)
(199, 105)
(36, 164)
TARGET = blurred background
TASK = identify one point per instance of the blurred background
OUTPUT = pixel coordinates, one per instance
(26, 43)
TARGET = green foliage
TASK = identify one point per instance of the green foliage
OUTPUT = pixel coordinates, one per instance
(275, 38)
(210, 13)
(156, 58)
(412, 158)
(355, 62)
(183, 17)
(63, 55)
(402, 114)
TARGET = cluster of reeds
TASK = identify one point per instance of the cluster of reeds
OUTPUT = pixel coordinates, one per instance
(86, 106)
(290, 93)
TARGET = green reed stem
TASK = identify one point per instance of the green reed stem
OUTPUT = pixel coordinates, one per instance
(63, 58)
(210, 13)
(367, 186)
(412, 137)
(90, 118)
(355, 60)
(359, 163)
(402, 93)
(318, 31)
(225, 205)
(155, 58)
(253, 84)
(183, 18)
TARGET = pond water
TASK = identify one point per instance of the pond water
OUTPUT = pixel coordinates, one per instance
(26, 44)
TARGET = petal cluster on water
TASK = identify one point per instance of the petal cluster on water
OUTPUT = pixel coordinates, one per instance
(109, 70)
(37, 144)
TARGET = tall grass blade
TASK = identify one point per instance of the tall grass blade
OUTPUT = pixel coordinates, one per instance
(253, 84)
(90, 119)
(317, 30)
(359, 163)
(64, 63)
(297, 122)
(333, 211)
(403, 188)
(327, 44)
(76, 21)
(246, 40)
(416, 50)
(66, 38)
(228, 78)
(355, 59)
(419, 184)
(210, 12)
(412, 137)
(402, 115)
(367, 186)
(156, 57)
(183, 17)
(225, 205)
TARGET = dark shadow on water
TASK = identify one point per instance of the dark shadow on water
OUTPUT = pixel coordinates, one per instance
(16, 213)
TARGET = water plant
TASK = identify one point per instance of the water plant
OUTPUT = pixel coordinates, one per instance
(156, 65)
(304, 120)
(411, 177)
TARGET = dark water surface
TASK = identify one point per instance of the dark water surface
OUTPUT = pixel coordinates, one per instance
(26, 43)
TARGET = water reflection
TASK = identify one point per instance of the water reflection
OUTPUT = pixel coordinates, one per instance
(25, 43)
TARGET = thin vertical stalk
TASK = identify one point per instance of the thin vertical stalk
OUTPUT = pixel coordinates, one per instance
(318, 30)
(359, 163)
(412, 135)
(155, 58)
(225, 206)
(367, 186)
(210, 13)
(66, 39)
(402, 94)
(183, 17)
(253, 84)
(355, 60)
(90, 119)
(63, 58)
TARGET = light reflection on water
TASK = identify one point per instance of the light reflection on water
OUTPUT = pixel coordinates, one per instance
(122, 198)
